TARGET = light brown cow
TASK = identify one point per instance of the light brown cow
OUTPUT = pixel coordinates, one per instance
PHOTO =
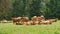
(45, 22)
(53, 20)
(35, 20)
(25, 20)
(19, 23)
(41, 19)
(50, 21)
(4, 21)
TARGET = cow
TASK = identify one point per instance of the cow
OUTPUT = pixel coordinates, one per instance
(50, 21)
(4, 21)
(41, 19)
(19, 23)
(34, 20)
(54, 20)
(25, 20)
(17, 20)
(14, 20)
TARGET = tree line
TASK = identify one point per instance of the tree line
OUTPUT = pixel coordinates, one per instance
(29, 8)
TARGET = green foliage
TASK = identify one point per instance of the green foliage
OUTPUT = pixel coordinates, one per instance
(15, 8)
(5, 9)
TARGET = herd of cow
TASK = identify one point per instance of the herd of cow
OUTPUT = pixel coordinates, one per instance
(34, 20)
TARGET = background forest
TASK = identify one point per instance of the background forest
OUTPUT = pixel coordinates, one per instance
(29, 8)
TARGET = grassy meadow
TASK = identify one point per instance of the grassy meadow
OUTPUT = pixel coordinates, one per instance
(10, 28)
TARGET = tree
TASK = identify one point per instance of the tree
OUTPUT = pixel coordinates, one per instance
(4, 8)
(35, 8)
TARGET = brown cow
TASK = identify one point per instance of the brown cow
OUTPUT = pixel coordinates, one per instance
(53, 20)
(17, 20)
(50, 21)
(19, 23)
(41, 19)
(35, 20)
(14, 20)
(25, 20)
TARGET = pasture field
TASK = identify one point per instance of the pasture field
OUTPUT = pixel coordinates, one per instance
(10, 28)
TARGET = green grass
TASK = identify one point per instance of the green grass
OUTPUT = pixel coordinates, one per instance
(10, 28)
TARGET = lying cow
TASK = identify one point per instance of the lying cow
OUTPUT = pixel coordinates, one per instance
(53, 20)
(25, 20)
(41, 19)
(4, 21)
(50, 21)
(35, 20)
(45, 22)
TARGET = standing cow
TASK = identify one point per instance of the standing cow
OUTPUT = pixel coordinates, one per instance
(17, 20)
